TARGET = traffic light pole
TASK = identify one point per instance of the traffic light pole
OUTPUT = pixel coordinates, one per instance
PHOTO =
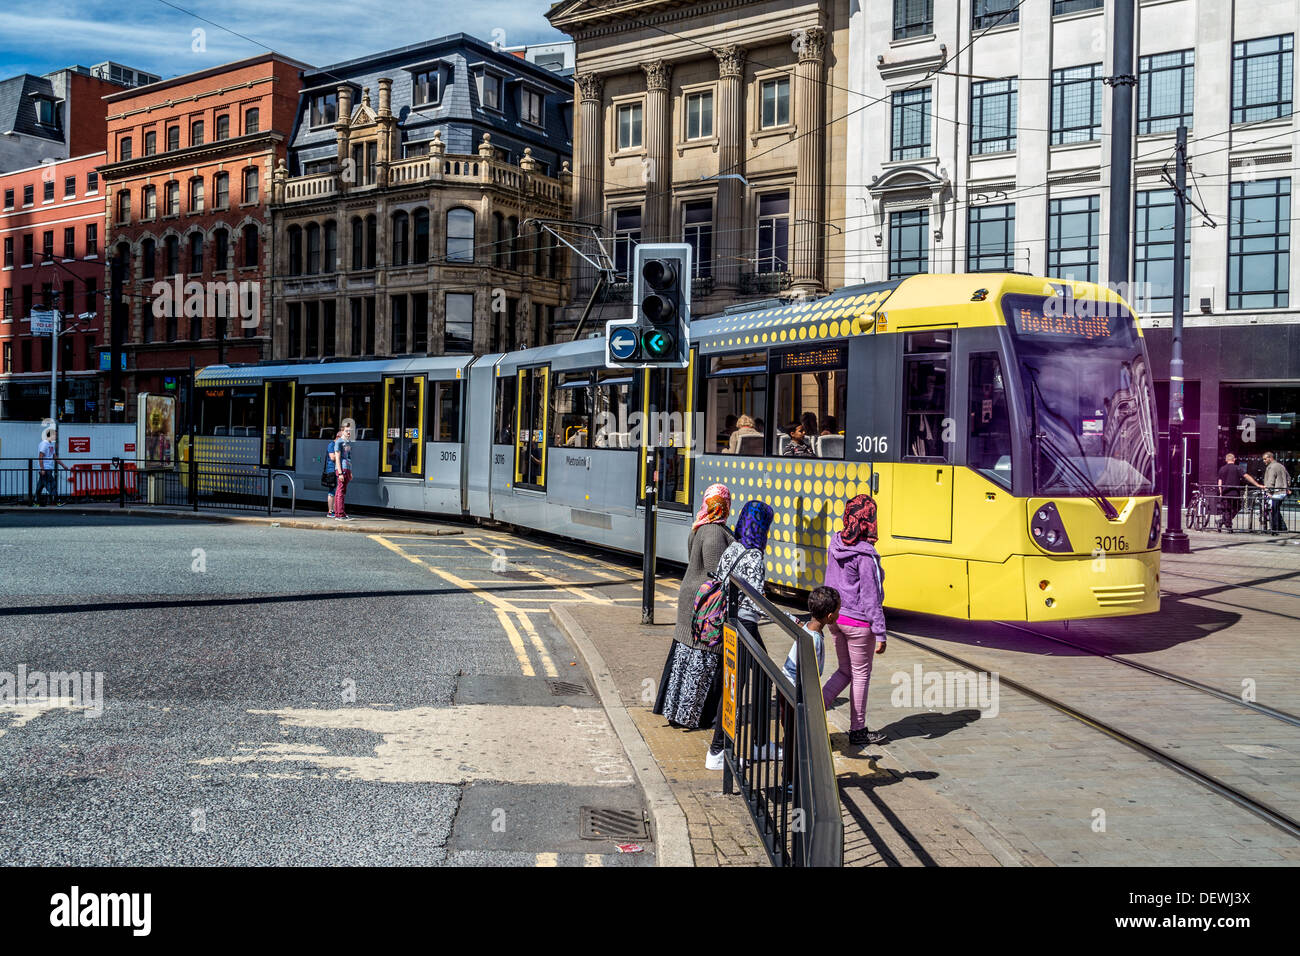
(652, 459)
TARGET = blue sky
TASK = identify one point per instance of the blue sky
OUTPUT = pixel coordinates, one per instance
(39, 36)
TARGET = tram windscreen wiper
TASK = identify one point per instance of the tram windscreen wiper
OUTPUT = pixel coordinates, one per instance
(1044, 443)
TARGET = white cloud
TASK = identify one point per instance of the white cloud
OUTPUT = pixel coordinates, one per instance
(150, 35)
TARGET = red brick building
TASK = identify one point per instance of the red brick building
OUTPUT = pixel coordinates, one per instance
(186, 190)
(51, 230)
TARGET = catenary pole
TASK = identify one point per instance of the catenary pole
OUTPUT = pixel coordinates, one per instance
(1174, 540)
(1121, 82)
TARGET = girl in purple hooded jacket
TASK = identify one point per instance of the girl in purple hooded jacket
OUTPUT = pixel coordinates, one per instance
(853, 569)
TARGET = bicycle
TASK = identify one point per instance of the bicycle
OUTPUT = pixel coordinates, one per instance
(1198, 511)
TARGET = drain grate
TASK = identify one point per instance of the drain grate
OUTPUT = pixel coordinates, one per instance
(611, 823)
(564, 688)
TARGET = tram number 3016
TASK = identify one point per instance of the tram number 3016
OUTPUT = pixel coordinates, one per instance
(873, 444)
(448, 455)
(1112, 542)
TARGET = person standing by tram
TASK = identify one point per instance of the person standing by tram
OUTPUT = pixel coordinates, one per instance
(1277, 485)
(689, 673)
(853, 569)
(342, 456)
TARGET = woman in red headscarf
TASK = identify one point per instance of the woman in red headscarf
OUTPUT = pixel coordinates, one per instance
(853, 569)
(686, 690)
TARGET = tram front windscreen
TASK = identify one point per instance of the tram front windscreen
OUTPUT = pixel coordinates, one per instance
(1089, 395)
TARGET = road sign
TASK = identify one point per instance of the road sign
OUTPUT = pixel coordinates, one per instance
(623, 343)
(42, 321)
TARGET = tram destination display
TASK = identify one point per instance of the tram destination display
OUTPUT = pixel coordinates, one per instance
(1066, 317)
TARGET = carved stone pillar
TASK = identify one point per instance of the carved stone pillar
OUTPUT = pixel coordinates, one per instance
(343, 130)
(387, 127)
(590, 172)
(809, 189)
(657, 171)
(730, 120)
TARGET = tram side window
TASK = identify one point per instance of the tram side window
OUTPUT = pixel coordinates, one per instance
(320, 414)
(246, 412)
(444, 412)
(214, 412)
(927, 429)
(613, 410)
(734, 419)
(571, 410)
(989, 446)
(504, 427)
(530, 463)
(811, 397)
(360, 403)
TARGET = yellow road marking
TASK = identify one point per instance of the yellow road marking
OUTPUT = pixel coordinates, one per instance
(592, 859)
(548, 579)
(536, 640)
(521, 654)
(548, 859)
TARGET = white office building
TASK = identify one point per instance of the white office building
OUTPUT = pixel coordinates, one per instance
(979, 140)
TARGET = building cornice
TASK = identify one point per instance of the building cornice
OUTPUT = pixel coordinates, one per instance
(181, 159)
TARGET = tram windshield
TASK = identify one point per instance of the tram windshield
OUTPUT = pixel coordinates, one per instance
(1089, 396)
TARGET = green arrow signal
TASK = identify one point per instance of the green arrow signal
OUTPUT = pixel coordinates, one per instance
(657, 343)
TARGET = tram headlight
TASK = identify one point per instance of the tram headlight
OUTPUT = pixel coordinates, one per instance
(1048, 530)
(1154, 537)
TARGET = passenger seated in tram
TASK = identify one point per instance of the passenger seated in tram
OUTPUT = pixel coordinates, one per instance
(830, 426)
(729, 426)
(795, 442)
(745, 428)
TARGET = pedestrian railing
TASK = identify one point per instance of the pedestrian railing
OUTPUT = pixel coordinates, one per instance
(777, 750)
(186, 484)
(1241, 510)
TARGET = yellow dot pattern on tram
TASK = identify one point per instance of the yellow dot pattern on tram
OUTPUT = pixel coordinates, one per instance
(807, 511)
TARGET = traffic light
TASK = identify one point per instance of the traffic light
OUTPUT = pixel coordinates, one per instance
(659, 333)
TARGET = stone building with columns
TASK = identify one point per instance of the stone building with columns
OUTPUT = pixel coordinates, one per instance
(713, 123)
(400, 215)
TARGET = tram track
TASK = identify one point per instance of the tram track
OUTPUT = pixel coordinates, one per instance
(1254, 805)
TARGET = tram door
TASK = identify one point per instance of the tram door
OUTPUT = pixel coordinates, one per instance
(673, 427)
(403, 452)
(533, 392)
(922, 486)
(278, 405)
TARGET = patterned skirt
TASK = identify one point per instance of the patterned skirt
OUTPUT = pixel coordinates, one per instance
(689, 689)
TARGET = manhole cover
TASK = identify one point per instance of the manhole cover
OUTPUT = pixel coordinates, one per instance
(608, 823)
(564, 688)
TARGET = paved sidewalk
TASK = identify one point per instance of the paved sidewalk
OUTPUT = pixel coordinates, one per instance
(891, 818)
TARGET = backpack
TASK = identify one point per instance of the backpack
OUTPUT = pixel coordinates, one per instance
(709, 610)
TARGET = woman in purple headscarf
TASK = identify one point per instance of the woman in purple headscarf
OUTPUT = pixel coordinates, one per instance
(744, 557)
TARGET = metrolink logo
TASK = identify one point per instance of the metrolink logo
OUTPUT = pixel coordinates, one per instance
(949, 689)
(75, 908)
(193, 299)
(25, 688)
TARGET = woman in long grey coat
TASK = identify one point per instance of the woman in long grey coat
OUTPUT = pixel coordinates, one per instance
(687, 692)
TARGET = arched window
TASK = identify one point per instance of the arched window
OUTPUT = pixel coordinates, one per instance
(124, 148)
(358, 229)
(150, 143)
(220, 250)
(250, 245)
(173, 138)
(420, 235)
(221, 190)
(251, 121)
(331, 257)
(313, 249)
(172, 250)
(499, 240)
(250, 185)
(149, 202)
(295, 250)
(460, 235)
(196, 252)
(400, 236)
(124, 206)
(372, 240)
(196, 194)
(148, 258)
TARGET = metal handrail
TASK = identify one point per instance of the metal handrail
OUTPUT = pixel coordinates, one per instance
(820, 839)
(270, 491)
